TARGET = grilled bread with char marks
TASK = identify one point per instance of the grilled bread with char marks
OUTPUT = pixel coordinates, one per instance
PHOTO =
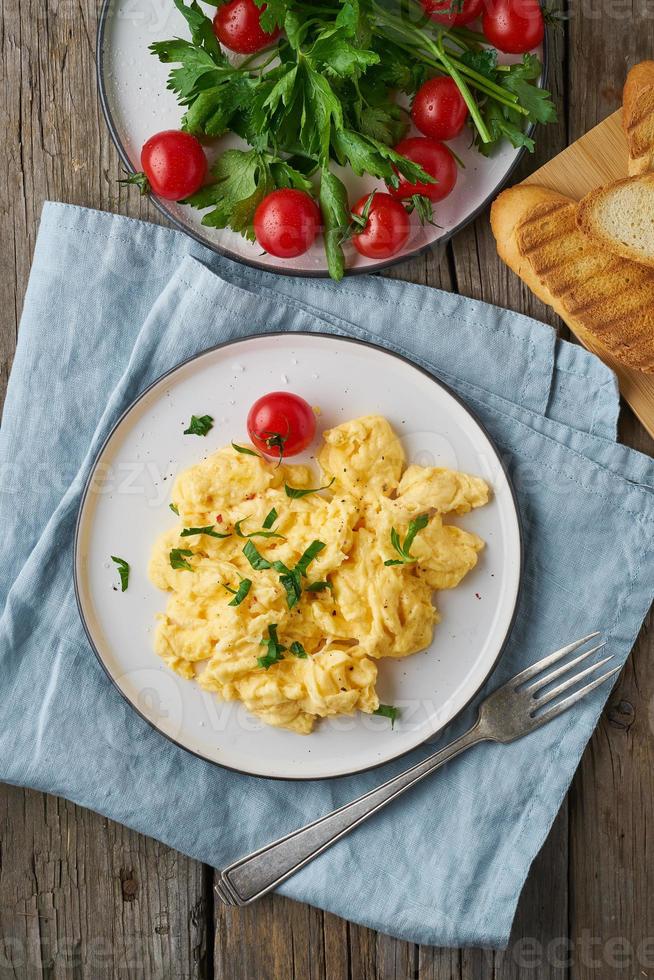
(605, 299)
(638, 117)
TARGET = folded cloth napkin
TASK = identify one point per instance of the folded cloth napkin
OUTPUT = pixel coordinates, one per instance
(113, 303)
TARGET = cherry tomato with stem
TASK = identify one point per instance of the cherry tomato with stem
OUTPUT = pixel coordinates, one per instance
(237, 25)
(435, 159)
(452, 13)
(281, 424)
(286, 223)
(513, 26)
(386, 229)
(174, 166)
(439, 109)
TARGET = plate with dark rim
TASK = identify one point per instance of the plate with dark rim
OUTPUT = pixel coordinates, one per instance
(125, 507)
(137, 104)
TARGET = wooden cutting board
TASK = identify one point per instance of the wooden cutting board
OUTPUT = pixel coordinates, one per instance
(597, 158)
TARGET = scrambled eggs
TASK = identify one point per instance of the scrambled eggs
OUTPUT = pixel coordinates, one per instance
(292, 620)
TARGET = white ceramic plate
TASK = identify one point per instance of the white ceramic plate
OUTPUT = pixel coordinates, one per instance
(125, 507)
(136, 104)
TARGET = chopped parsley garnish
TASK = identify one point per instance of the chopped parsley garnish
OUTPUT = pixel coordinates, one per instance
(291, 582)
(258, 562)
(123, 571)
(290, 578)
(298, 650)
(177, 559)
(388, 711)
(295, 492)
(174, 508)
(275, 648)
(270, 519)
(199, 425)
(188, 532)
(256, 534)
(240, 593)
(244, 450)
(314, 549)
(319, 587)
(404, 550)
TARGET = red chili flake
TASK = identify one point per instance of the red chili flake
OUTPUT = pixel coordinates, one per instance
(251, 496)
(477, 596)
(219, 518)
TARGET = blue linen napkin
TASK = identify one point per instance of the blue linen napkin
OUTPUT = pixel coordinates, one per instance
(111, 304)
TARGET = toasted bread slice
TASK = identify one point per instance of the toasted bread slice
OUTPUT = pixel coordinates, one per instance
(638, 117)
(606, 300)
(620, 216)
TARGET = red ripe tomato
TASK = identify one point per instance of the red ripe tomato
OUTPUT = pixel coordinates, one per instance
(447, 12)
(174, 164)
(286, 223)
(513, 26)
(435, 159)
(237, 26)
(438, 109)
(281, 424)
(386, 230)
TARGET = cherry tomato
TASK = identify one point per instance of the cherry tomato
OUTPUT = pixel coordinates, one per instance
(237, 26)
(446, 12)
(386, 229)
(513, 26)
(281, 424)
(438, 109)
(174, 164)
(435, 159)
(286, 223)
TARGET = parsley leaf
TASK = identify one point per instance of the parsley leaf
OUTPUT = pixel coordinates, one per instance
(319, 586)
(337, 55)
(273, 15)
(367, 155)
(388, 711)
(208, 530)
(195, 65)
(403, 550)
(275, 649)
(242, 181)
(202, 32)
(256, 534)
(240, 593)
(296, 492)
(258, 562)
(335, 215)
(293, 586)
(483, 61)
(123, 571)
(244, 450)
(174, 508)
(311, 552)
(298, 650)
(177, 559)
(199, 425)
(270, 519)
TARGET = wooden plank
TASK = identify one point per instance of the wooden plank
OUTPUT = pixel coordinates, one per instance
(81, 896)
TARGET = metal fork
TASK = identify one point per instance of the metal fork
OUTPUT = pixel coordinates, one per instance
(511, 711)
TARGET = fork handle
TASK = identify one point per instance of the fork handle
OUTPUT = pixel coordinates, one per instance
(252, 876)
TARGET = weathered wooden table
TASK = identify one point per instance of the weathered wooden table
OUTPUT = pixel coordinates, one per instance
(82, 897)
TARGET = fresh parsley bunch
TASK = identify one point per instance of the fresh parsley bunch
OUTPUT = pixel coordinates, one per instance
(327, 94)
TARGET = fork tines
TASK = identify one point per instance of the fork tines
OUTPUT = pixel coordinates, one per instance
(540, 691)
